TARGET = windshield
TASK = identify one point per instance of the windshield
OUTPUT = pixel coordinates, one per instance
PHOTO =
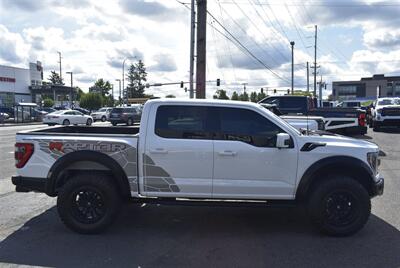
(58, 112)
(389, 102)
(103, 110)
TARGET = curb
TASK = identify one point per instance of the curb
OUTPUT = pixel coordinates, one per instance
(20, 124)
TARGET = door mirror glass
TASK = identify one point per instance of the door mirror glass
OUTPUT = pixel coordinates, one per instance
(282, 140)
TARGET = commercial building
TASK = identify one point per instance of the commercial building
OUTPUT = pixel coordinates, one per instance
(368, 88)
(19, 85)
(15, 82)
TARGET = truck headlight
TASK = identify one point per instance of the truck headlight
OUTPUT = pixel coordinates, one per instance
(373, 161)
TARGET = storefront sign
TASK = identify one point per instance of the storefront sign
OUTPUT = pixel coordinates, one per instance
(7, 79)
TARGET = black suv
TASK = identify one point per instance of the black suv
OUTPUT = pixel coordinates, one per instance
(127, 115)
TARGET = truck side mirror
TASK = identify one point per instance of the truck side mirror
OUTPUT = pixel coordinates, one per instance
(282, 140)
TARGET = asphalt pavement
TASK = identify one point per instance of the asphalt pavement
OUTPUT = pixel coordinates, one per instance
(179, 236)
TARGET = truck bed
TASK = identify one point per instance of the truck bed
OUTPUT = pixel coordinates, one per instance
(85, 130)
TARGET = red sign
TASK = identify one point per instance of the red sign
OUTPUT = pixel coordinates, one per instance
(7, 79)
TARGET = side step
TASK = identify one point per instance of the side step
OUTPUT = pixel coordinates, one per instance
(216, 202)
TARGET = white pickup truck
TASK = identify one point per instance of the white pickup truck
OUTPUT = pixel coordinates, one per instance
(195, 152)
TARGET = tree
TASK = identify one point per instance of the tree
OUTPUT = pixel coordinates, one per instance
(48, 102)
(261, 96)
(91, 101)
(102, 87)
(244, 96)
(170, 96)
(235, 96)
(55, 79)
(221, 95)
(79, 93)
(137, 76)
(253, 96)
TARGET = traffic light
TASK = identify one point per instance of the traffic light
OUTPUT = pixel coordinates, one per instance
(218, 82)
(288, 91)
(262, 90)
(181, 84)
(274, 91)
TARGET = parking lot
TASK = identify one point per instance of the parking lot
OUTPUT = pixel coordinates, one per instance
(181, 236)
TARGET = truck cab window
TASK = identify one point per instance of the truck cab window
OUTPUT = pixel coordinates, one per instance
(247, 126)
(181, 122)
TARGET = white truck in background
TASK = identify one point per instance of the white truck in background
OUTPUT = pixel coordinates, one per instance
(199, 151)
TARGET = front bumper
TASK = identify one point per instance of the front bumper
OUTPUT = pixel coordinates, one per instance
(28, 184)
(377, 188)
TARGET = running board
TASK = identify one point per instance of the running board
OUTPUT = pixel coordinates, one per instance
(217, 202)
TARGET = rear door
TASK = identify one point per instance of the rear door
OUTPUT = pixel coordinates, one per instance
(247, 163)
(178, 158)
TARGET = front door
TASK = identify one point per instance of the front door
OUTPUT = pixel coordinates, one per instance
(178, 159)
(246, 162)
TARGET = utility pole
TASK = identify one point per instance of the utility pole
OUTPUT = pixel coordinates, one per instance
(70, 91)
(321, 85)
(315, 60)
(244, 87)
(119, 82)
(308, 78)
(292, 45)
(201, 49)
(112, 94)
(192, 40)
(59, 61)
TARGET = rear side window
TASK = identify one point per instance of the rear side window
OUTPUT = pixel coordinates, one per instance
(117, 110)
(246, 126)
(182, 122)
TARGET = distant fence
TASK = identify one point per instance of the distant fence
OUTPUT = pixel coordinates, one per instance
(19, 114)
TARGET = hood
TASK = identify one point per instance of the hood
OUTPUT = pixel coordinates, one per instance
(342, 141)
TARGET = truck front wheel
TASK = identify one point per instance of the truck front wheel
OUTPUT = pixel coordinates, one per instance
(339, 206)
(88, 203)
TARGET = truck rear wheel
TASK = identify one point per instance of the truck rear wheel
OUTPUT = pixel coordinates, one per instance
(88, 203)
(339, 206)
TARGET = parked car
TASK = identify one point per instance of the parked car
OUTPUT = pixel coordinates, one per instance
(82, 110)
(200, 152)
(300, 122)
(67, 117)
(7, 110)
(337, 120)
(3, 117)
(102, 114)
(127, 115)
(385, 112)
(48, 109)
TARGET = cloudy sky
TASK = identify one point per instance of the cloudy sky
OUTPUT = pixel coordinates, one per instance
(355, 39)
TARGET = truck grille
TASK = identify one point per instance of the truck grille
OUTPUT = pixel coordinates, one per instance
(391, 111)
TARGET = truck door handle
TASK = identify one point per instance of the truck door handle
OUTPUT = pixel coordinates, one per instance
(159, 151)
(227, 153)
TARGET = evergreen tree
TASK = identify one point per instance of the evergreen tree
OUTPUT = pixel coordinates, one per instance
(235, 96)
(221, 95)
(55, 79)
(253, 96)
(244, 96)
(137, 76)
(261, 96)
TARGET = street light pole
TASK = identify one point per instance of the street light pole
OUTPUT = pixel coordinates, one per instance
(70, 91)
(292, 45)
(119, 82)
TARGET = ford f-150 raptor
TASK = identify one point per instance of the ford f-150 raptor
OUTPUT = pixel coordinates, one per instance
(197, 152)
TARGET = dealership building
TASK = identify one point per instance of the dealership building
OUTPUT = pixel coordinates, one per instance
(368, 88)
(15, 83)
(20, 85)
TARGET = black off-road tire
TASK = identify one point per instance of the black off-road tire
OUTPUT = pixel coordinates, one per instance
(83, 197)
(336, 195)
(66, 122)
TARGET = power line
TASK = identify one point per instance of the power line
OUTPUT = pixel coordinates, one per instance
(248, 51)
